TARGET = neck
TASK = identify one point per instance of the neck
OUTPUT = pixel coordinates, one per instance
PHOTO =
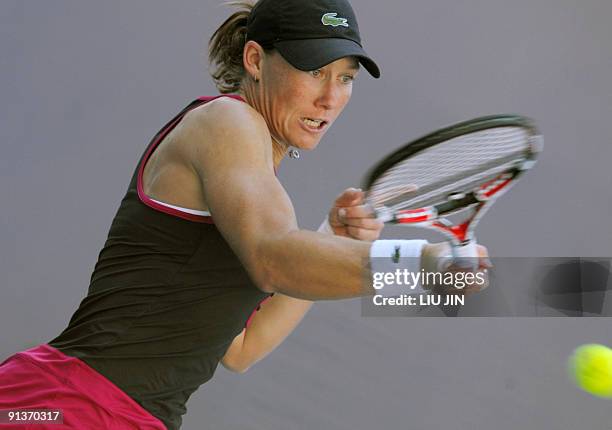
(279, 149)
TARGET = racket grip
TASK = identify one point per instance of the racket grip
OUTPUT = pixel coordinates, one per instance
(466, 255)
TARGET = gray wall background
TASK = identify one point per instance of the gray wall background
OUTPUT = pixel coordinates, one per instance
(86, 84)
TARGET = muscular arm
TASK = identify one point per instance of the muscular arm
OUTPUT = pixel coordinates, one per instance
(278, 317)
(231, 152)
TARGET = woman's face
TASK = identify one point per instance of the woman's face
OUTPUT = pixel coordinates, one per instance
(300, 106)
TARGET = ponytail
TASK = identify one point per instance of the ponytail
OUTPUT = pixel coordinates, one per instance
(226, 46)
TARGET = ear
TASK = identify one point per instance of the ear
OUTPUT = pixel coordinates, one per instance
(252, 59)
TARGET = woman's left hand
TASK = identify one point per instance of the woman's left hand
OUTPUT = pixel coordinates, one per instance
(352, 217)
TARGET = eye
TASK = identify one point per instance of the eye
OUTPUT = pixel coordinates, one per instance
(316, 73)
(347, 79)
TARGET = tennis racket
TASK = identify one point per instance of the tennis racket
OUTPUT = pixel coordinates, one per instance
(459, 172)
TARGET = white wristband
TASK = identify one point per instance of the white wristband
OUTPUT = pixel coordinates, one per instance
(393, 264)
(325, 227)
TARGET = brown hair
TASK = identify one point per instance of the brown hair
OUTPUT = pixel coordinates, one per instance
(225, 48)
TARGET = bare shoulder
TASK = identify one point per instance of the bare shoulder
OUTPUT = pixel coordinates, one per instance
(229, 122)
(226, 134)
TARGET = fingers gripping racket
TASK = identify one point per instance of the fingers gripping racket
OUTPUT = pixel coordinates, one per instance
(461, 169)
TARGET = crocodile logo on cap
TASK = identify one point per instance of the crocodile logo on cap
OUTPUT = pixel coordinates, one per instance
(331, 19)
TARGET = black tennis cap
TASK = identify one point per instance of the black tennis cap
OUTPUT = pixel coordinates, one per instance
(309, 33)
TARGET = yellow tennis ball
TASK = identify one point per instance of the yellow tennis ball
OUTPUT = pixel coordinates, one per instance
(591, 368)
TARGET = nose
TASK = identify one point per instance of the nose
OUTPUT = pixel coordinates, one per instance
(330, 96)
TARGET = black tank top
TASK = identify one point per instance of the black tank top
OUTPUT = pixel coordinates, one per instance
(166, 299)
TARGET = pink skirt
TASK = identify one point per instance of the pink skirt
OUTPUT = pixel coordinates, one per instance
(43, 378)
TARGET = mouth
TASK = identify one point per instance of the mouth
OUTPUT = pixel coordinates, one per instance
(314, 124)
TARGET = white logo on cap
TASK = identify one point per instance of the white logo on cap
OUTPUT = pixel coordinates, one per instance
(330, 18)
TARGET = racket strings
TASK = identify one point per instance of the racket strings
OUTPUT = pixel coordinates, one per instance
(439, 192)
(458, 165)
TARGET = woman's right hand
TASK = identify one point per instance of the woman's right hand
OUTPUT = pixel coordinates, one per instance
(434, 259)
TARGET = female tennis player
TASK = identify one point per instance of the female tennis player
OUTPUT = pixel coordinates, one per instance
(206, 233)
